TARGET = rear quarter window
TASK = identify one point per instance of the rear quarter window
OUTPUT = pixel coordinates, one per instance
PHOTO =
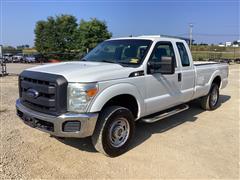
(183, 54)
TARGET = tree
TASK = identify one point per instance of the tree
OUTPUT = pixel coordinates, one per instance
(90, 33)
(21, 47)
(10, 49)
(235, 42)
(43, 36)
(55, 34)
(62, 35)
(66, 27)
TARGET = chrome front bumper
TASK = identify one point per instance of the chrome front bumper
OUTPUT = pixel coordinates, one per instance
(54, 124)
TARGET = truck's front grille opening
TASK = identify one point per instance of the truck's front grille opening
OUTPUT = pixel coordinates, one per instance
(35, 122)
(43, 92)
(35, 81)
(35, 106)
(45, 97)
(44, 125)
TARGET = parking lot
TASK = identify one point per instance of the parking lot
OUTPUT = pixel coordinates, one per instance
(193, 144)
(16, 68)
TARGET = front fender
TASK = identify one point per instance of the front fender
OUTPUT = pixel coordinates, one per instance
(115, 90)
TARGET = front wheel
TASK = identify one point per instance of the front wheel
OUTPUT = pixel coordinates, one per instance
(210, 101)
(114, 131)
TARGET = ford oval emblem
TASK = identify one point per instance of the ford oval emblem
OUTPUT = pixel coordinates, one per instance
(32, 93)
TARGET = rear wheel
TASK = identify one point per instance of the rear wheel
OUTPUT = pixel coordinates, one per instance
(114, 131)
(210, 101)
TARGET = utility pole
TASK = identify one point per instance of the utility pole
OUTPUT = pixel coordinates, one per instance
(234, 52)
(190, 35)
(1, 52)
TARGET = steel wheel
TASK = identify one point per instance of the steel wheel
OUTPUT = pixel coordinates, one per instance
(114, 131)
(119, 132)
(210, 101)
(214, 97)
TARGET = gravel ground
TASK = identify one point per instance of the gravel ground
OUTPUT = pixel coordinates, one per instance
(16, 68)
(192, 144)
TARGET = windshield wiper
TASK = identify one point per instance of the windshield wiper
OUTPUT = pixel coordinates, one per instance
(113, 62)
(124, 62)
(118, 62)
(108, 61)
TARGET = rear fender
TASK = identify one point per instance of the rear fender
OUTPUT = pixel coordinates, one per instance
(214, 75)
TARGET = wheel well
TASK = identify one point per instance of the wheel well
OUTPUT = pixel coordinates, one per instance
(124, 100)
(217, 80)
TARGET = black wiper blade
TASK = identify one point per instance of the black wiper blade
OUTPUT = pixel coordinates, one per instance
(108, 61)
(113, 62)
(124, 62)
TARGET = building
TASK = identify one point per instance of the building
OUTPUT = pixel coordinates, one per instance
(228, 44)
(221, 45)
(235, 45)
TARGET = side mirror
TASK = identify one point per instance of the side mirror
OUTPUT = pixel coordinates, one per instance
(165, 66)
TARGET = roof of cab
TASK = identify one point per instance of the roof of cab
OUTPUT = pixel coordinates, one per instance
(154, 38)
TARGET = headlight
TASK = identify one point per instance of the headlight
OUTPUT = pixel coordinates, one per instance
(80, 95)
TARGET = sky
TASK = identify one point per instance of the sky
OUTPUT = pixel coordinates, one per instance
(214, 21)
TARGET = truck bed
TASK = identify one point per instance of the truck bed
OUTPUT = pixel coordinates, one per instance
(199, 63)
(204, 72)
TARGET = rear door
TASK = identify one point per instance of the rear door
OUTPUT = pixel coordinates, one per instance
(187, 76)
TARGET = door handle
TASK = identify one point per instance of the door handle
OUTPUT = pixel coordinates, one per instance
(179, 77)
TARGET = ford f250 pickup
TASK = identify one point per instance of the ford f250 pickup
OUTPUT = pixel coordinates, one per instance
(119, 82)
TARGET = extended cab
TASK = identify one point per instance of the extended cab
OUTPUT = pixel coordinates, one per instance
(119, 82)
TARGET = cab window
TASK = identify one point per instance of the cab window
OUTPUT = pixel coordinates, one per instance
(183, 54)
(162, 49)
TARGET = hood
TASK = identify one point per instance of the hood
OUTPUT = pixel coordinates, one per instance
(85, 71)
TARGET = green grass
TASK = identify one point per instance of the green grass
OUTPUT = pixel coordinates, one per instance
(205, 55)
(202, 52)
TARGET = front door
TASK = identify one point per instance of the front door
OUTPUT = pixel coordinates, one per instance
(162, 90)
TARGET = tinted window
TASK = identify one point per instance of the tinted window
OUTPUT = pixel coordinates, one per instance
(183, 54)
(162, 49)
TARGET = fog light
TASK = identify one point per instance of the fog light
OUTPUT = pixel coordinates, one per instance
(71, 126)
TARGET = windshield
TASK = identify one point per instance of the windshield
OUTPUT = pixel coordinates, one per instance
(129, 52)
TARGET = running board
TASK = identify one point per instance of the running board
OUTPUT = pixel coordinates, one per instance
(166, 113)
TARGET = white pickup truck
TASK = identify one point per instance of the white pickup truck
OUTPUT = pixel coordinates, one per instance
(121, 81)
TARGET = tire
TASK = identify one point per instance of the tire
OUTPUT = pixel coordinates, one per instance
(211, 101)
(114, 121)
